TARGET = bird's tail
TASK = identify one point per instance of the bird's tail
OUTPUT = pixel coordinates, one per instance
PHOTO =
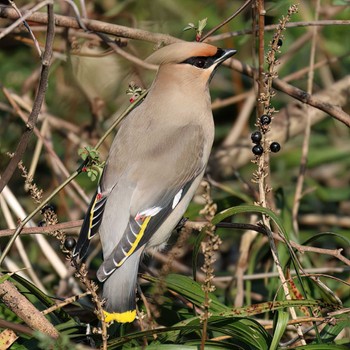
(119, 291)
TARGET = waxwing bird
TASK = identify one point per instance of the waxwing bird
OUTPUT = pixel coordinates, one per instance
(153, 169)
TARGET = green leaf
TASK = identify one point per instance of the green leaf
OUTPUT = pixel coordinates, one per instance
(261, 308)
(39, 299)
(331, 331)
(213, 346)
(241, 209)
(258, 209)
(189, 26)
(325, 234)
(191, 290)
(5, 277)
(280, 323)
(251, 310)
(322, 347)
(242, 331)
(202, 24)
(326, 293)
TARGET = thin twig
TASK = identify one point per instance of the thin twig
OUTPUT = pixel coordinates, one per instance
(272, 27)
(33, 213)
(38, 149)
(302, 96)
(288, 123)
(21, 18)
(306, 141)
(93, 25)
(19, 245)
(65, 302)
(44, 229)
(264, 107)
(226, 20)
(193, 225)
(120, 118)
(261, 54)
(14, 99)
(137, 34)
(36, 43)
(23, 143)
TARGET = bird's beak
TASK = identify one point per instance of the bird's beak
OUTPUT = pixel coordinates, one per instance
(224, 54)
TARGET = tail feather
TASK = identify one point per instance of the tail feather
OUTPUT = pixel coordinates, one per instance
(119, 291)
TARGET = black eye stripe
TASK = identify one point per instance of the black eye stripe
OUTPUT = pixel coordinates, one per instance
(203, 61)
(200, 62)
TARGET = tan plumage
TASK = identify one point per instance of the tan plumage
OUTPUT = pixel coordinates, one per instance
(155, 164)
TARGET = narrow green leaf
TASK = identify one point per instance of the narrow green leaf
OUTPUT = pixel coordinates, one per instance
(39, 299)
(322, 347)
(280, 323)
(325, 234)
(249, 209)
(257, 309)
(4, 278)
(326, 293)
(215, 346)
(190, 290)
(331, 331)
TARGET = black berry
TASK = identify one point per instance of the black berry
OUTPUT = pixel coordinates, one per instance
(279, 42)
(42, 223)
(275, 147)
(265, 119)
(47, 207)
(258, 150)
(256, 136)
(69, 243)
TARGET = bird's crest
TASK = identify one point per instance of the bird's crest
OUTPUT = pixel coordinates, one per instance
(178, 52)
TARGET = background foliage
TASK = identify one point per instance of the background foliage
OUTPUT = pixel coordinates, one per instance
(87, 91)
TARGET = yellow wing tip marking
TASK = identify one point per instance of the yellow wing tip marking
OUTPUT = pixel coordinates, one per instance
(92, 213)
(136, 242)
(121, 317)
(139, 236)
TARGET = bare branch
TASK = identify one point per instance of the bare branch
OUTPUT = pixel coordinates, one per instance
(93, 25)
(25, 310)
(23, 143)
(333, 110)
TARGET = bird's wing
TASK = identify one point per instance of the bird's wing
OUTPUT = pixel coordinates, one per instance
(91, 223)
(171, 170)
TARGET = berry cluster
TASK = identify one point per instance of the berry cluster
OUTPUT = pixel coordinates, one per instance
(256, 137)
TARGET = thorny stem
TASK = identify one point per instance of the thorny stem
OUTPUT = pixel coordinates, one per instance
(261, 53)
(264, 107)
(81, 273)
(209, 247)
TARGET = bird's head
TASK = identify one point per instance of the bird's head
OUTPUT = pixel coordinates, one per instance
(191, 59)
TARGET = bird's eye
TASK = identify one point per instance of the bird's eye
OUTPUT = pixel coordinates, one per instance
(199, 62)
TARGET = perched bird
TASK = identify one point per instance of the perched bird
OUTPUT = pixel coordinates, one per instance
(153, 169)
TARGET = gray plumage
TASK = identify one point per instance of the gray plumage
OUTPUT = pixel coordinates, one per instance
(154, 167)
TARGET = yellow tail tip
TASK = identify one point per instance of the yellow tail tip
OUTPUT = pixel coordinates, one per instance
(121, 317)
